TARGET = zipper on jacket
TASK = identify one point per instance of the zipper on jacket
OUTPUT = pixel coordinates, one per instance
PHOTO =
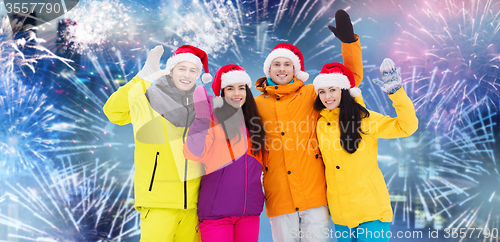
(185, 184)
(154, 170)
(185, 160)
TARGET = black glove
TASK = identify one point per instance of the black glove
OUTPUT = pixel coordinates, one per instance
(344, 31)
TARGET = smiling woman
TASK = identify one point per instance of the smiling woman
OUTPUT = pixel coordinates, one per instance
(348, 139)
(230, 147)
(235, 94)
(330, 96)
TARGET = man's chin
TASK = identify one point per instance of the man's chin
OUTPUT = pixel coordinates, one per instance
(184, 87)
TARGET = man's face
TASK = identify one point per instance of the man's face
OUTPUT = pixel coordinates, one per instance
(281, 71)
(184, 75)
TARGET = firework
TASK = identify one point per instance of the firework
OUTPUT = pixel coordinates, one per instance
(453, 169)
(79, 202)
(448, 52)
(92, 24)
(453, 46)
(25, 134)
(21, 48)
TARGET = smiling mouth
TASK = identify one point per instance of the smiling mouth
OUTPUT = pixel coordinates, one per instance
(184, 81)
(282, 75)
(236, 99)
(330, 102)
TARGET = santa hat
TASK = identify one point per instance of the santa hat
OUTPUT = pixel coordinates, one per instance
(191, 54)
(291, 52)
(225, 76)
(336, 75)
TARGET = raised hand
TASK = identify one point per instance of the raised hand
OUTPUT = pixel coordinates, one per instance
(151, 70)
(203, 103)
(344, 31)
(391, 78)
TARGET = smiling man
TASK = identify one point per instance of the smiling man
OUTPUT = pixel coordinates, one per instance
(166, 184)
(294, 173)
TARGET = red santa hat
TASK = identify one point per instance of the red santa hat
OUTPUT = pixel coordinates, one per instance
(291, 52)
(227, 75)
(336, 75)
(193, 55)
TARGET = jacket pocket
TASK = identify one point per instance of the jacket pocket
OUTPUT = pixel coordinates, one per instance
(218, 206)
(144, 213)
(375, 193)
(154, 171)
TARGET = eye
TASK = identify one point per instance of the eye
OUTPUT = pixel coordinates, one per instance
(321, 92)
(193, 71)
(276, 64)
(287, 64)
(242, 88)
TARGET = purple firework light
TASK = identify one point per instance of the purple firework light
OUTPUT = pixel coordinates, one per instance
(442, 179)
(453, 49)
(450, 71)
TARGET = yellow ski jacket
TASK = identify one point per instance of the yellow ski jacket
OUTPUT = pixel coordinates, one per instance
(356, 190)
(163, 177)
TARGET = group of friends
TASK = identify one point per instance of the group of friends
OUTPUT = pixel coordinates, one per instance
(201, 161)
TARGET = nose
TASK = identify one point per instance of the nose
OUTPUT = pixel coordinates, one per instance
(281, 68)
(329, 95)
(237, 93)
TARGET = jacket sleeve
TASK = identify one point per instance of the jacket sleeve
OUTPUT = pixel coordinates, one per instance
(117, 107)
(351, 55)
(199, 140)
(404, 125)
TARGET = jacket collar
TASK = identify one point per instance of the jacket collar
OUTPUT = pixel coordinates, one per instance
(173, 104)
(167, 86)
(278, 90)
(330, 114)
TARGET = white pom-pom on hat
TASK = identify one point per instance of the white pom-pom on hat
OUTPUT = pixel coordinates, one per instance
(303, 76)
(355, 92)
(206, 78)
(218, 102)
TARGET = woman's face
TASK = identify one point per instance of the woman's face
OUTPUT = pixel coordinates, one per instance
(184, 75)
(330, 97)
(235, 94)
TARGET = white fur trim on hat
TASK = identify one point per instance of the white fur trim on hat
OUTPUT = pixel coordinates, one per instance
(233, 77)
(282, 52)
(331, 80)
(176, 59)
(355, 92)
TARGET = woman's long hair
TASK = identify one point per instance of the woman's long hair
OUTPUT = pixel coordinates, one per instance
(350, 116)
(253, 122)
